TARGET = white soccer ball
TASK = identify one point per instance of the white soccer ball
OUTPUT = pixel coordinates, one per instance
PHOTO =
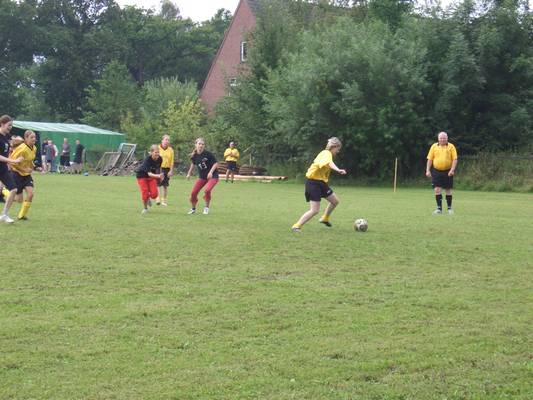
(360, 225)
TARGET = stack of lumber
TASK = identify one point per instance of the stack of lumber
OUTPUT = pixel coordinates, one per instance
(242, 170)
(259, 178)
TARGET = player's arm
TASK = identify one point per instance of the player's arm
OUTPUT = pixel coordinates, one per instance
(171, 172)
(189, 172)
(428, 168)
(336, 169)
(452, 169)
(152, 175)
(212, 170)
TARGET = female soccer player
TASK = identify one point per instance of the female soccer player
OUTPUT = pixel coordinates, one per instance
(207, 174)
(316, 185)
(6, 123)
(21, 172)
(231, 156)
(148, 175)
(167, 154)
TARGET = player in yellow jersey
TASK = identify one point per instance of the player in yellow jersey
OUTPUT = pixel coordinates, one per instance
(21, 172)
(231, 156)
(316, 185)
(167, 154)
(440, 167)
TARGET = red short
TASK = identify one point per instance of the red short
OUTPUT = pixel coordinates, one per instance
(148, 188)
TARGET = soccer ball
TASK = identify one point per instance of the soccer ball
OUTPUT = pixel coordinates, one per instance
(360, 225)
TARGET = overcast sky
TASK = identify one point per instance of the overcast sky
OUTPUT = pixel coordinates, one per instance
(197, 10)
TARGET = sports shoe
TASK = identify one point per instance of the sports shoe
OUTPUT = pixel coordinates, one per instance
(206, 210)
(157, 201)
(164, 203)
(296, 230)
(24, 218)
(192, 211)
(6, 218)
(450, 211)
(144, 211)
(327, 223)
(437, 211)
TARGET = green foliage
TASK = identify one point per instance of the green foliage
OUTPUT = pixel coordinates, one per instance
(113, 96)
(386, 81)
(184, 123)
(158, 93)
(169, 107)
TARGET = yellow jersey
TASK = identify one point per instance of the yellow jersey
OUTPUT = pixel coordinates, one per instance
(320, 169)
(231, 154)
(25, 167)
(168, 157)
(442, 156)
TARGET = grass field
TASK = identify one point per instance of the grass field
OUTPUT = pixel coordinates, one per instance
(99, 302)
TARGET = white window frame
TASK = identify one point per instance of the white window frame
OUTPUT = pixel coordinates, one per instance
(244, 51)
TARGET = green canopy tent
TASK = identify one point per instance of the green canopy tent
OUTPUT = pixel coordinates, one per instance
(89, 136)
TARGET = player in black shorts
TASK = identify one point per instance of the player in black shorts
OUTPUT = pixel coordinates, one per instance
(6, 123)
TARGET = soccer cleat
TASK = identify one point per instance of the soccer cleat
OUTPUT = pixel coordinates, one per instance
(144, 211)
(437, 211)
(23, 218)
(325, 222)
(6, 218)
(450, 211)
(206, 210)
(164, 203)
(296, 229)
(192, 211)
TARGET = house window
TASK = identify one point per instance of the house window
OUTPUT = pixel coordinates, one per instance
(244, 51)
(232, 82)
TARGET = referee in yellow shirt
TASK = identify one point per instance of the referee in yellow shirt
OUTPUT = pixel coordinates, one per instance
(167, 166)
(440, 167)
(231, 156)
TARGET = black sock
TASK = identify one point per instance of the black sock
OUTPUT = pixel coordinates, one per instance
(438, 197)
(449, 200)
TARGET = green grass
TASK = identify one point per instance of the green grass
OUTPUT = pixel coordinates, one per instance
(99, 302)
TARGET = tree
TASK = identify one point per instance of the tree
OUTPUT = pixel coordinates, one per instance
(112, 97)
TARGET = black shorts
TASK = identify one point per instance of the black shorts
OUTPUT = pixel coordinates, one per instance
(22, 181)
(64, 161)
(6, 177)
(441, 179)
(166, 180)
(316, 190)
(232, 165)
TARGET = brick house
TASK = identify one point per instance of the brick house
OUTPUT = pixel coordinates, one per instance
(230, 60)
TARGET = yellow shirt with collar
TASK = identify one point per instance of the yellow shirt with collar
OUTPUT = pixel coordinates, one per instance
(25, 167)
(442, 156)
(168, 157)
(320, 169)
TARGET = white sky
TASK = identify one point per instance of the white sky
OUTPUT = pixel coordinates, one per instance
(197, 10)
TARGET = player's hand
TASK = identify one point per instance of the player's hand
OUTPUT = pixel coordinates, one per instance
(342, 171)
(170, 173)
(451, 173)
(428, 174)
